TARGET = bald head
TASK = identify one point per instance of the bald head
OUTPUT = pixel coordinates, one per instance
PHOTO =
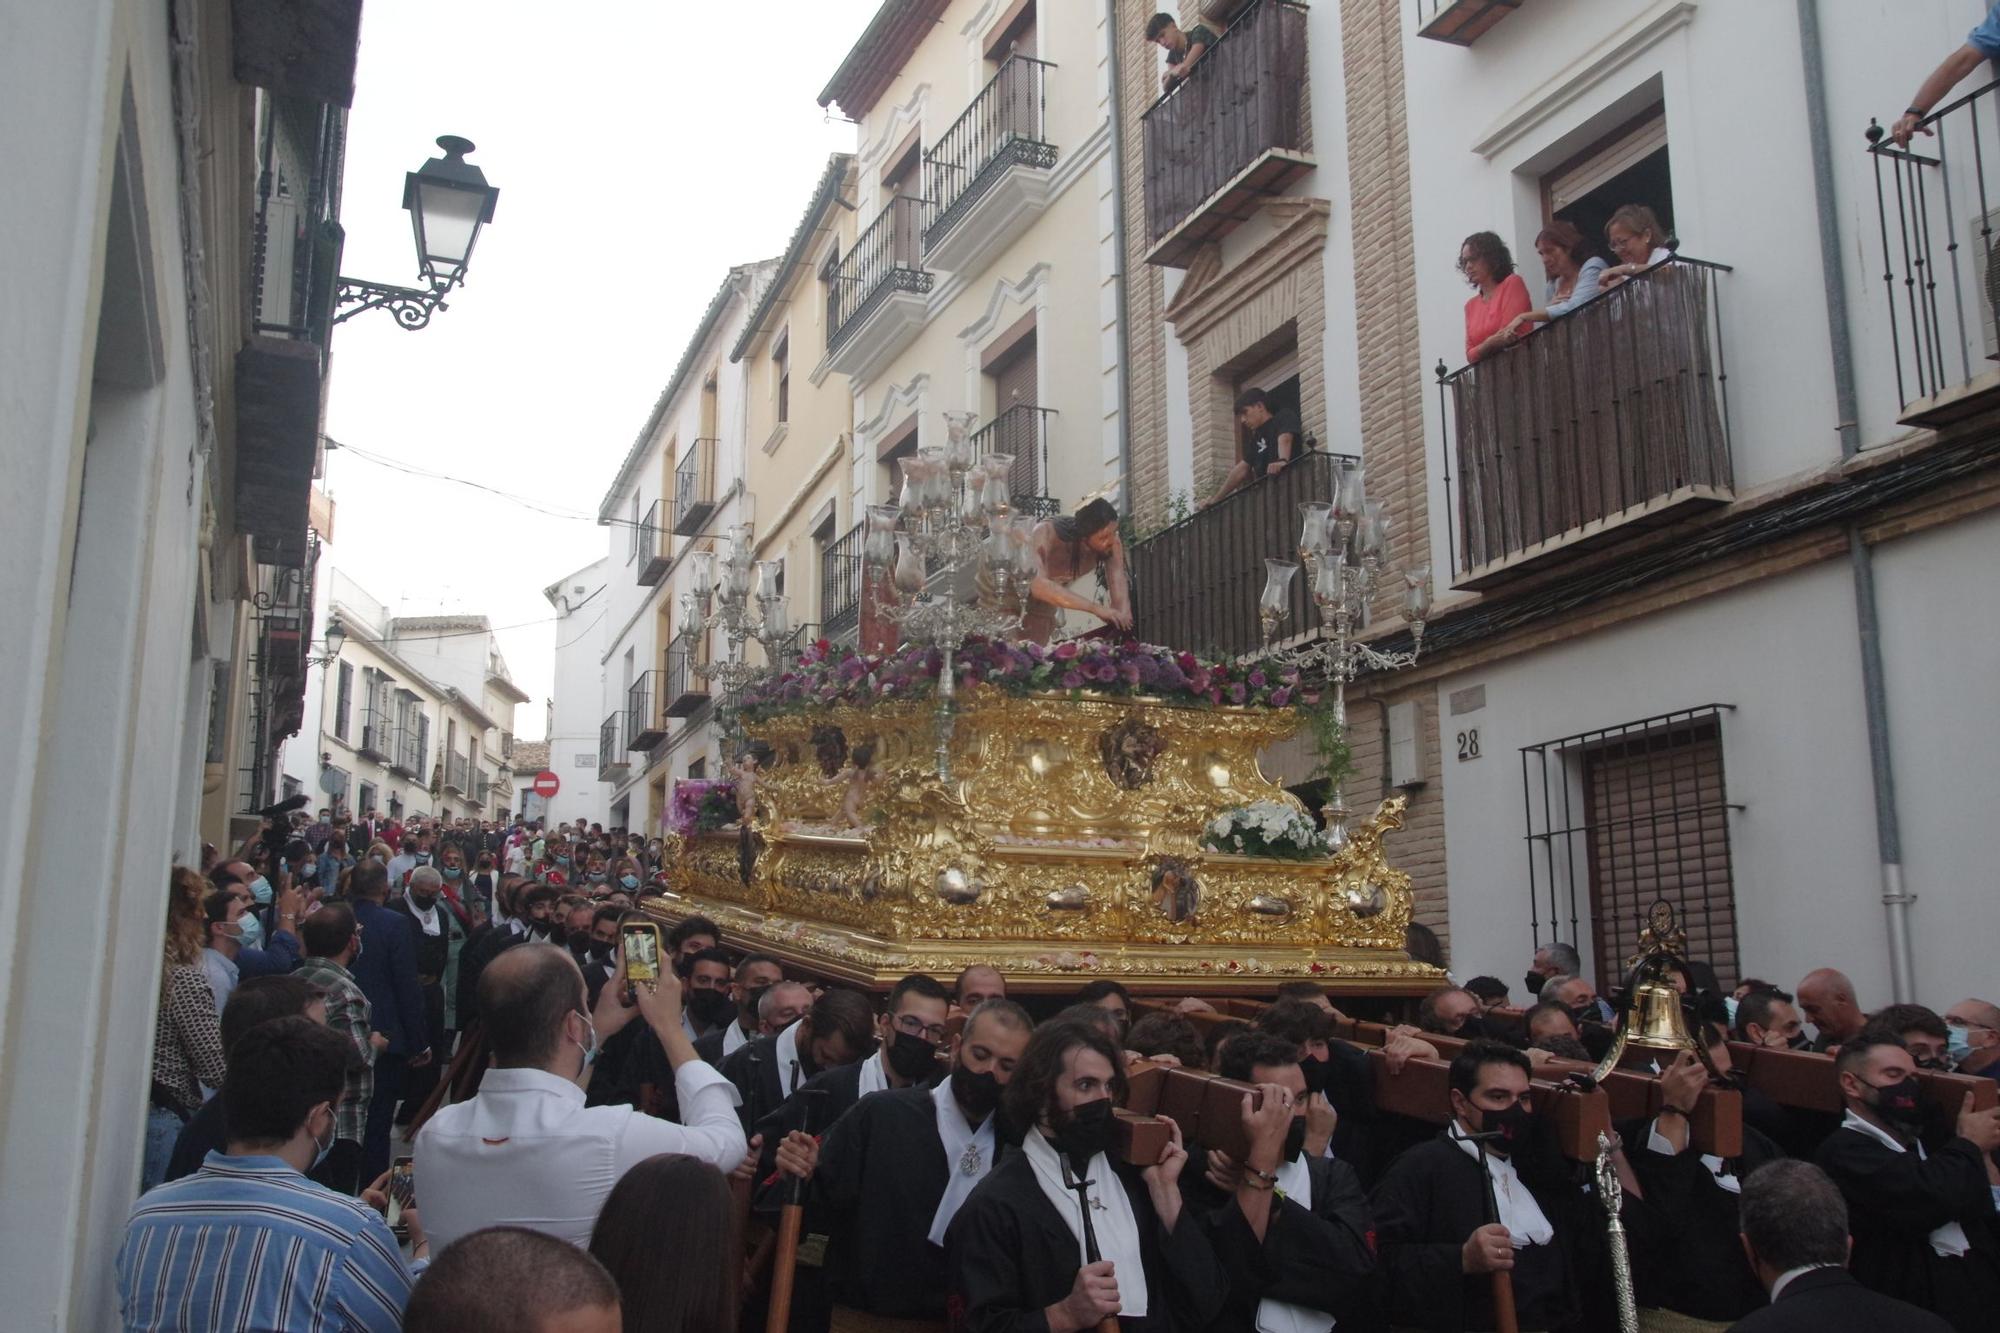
(512, 1280)
(525, 996)
(978, 984)
(1827, 996)
(1977, 1024)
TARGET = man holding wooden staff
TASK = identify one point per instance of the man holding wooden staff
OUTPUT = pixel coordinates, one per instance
(1439, 1243)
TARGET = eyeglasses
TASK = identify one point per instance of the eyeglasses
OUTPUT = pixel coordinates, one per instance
(916, 1027)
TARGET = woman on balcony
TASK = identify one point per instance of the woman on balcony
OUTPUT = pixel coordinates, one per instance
(1639, 241)
(1572, 270)
(1502, 296)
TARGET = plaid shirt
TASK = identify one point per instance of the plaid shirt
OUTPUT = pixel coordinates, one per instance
(347, 1010)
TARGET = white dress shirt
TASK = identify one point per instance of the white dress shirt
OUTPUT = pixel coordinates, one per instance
(220, 970)
(527, 1152)
(1785, 1278)
(1523, 1217)
(734, 1036)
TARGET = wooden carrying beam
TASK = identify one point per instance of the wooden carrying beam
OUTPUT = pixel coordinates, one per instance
(1806, 1080)
(1422, 1091)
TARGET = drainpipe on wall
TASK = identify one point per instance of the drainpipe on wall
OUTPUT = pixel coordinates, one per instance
(1115, 68)
(1888, 826)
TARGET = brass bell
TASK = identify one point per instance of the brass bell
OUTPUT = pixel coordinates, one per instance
(1653, 1018)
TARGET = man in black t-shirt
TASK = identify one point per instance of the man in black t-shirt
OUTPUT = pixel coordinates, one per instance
(1182, 48)
(1270, 446)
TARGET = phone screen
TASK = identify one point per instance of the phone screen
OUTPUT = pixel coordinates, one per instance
(402, 1190)
(641, 944)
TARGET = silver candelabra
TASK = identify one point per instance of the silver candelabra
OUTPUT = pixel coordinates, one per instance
(740, 597)
(955, 512)
(1343, 546)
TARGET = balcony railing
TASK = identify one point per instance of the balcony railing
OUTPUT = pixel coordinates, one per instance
(886, 258)
(685, 692)
(1232, 131)
(378, 736)
(1003, 127)
(457, 773)
(1023, 433)
(611, 759)
(1460, 22)
(1613, 414)
(1939, 232)
(645, 723)
(649, 544)
(694, 489)
(412, 751)
(1195, 585)
(840, 583)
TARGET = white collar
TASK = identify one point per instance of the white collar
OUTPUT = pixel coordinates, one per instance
(427, 917)
(222, 960)
(1785, 1278)
(733, 1037)
(1111, 1217)
(522, 1079)
(874, 1074)
(1523, 1217)
(968, 1156)
(1949, 1240)
(786, 1054)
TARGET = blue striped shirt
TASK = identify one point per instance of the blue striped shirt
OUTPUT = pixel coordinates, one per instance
(249, 1244)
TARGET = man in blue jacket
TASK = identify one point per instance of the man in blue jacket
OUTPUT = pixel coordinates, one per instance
(386, 971)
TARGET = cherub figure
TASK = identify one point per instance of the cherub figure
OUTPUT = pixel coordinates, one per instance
(859, 778)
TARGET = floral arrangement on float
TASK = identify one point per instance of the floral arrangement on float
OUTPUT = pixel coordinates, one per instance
(1266, 828)
(701, 805)
(825, 676)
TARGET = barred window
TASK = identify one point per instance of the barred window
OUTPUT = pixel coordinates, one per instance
(1625, 817)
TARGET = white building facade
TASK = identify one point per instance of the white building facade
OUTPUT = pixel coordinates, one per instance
(576, 711)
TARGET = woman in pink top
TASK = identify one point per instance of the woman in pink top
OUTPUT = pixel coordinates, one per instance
(1502, 298)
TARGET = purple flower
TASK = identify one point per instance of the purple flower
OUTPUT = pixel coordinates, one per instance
(1257, 680)
(1129, 673)
(1236, 694)
(1072, 680)
(1065, 651)
(1106, 673)
(1281, 696)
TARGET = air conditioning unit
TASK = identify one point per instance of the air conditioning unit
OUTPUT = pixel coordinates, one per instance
(1982, 239)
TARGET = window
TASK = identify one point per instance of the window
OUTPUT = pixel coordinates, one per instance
(1627, 166)
(899, 176)
(343, 700)
(292, 786)
(697, 769)
(1277, 374)
(396, 806)
(781, 358)
(829, 280)
(1014, 34)
(1627, 817)
(632, 531)
(898, 443)
(364, 808)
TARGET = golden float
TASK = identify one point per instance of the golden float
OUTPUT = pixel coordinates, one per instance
(1067, 846)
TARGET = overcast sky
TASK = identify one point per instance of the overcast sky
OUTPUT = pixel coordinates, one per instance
(640, 150)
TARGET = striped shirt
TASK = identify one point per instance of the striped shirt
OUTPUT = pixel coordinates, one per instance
(247, 1243)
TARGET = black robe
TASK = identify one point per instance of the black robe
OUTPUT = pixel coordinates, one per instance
(753, 1068)
(882, 1172)
(1012, 1256)
(1895, 1200)
(1432, 1199)
(1320, 1257)
(1692, 1261)
(837, 1090)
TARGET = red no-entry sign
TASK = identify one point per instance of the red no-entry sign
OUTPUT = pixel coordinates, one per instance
(547, 784)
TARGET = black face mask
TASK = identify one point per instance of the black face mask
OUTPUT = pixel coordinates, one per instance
(424, 900)
(1473, 1026)
(911, 1057)
(1318, 1073)
(1295, 1139)
(1511, 1125)
(1533, 981)
(1085, 1132)
(1897, 1103)
(1585, 1013)
(1798, 1042)
(977, 1094)
(683, 967)
(600, 952)
(710, 1007)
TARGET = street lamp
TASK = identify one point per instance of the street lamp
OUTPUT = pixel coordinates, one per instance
(336, 639)
(449, 201)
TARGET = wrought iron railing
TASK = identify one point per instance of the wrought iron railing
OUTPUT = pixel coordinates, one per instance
(886, 258)
(1242, 99)
(684, 691)
(1003, 127)
(644, 725)
(1932, 199)
(457, 772)
(840, 582)
(649, 543)
(1195, 585)
(1022, 432)
(694, 489)
(610, 747)
(412, 750)
(378, 733)
(1602, 414)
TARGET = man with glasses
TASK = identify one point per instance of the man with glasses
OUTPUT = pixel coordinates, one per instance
(1920, 1207)
(1436, 1242)
(1973, 1038)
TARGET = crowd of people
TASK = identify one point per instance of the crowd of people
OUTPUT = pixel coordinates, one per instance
(1500, 313)
(573, 1149)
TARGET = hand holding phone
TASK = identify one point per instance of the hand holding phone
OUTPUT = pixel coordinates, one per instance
(402, 1192)
(639, 944)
